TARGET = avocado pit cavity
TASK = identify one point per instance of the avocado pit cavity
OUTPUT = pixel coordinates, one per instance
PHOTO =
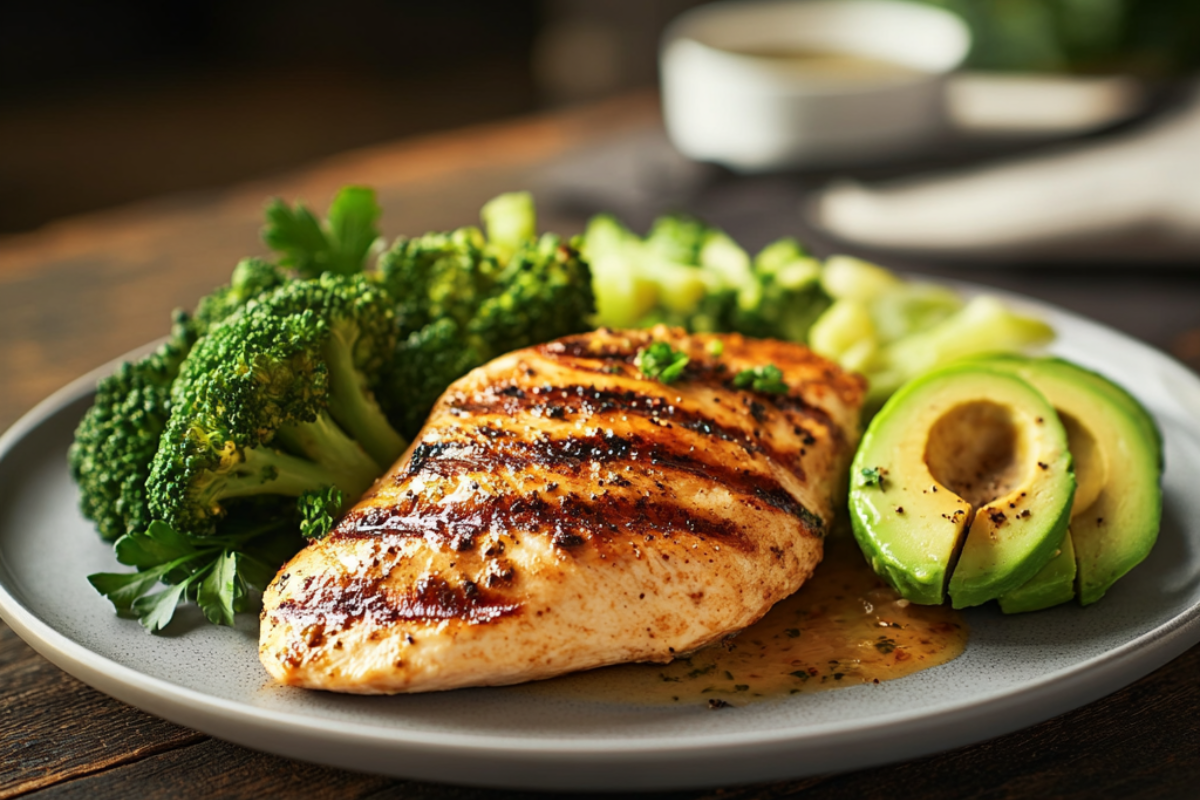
(975, 451)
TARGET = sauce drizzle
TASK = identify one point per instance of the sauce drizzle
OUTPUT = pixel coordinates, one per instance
(843, 628)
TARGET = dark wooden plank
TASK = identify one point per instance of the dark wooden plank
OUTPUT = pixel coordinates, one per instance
(53, 728)
(215, 769)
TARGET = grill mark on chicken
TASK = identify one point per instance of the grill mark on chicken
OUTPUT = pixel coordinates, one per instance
(586, 347)
(500, 550)
(568, 520)
(695, 374)
(339, 601)
(448, 459)
(561, 402)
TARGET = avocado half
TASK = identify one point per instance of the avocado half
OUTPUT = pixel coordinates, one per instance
(963, 485)
(1117, 450)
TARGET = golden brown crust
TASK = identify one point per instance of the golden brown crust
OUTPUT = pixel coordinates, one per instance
(560, 512)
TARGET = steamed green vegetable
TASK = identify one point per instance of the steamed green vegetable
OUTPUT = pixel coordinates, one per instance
(118, 436)
(278, 402)
(465, 298)
(864, 317)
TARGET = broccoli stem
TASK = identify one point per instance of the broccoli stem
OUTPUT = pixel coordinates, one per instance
(325, 443)
(355, 409)
(264, 471)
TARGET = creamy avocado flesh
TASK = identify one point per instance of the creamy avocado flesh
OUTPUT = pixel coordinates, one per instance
(1117, 451)
(963, 483)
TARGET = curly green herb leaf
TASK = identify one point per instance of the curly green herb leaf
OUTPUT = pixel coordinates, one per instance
(659, 361)
(767, 379)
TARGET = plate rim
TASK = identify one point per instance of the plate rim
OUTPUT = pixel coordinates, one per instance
(927, 730)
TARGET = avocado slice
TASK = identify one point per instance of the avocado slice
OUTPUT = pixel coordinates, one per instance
(1052, 586)
(963, 483)
(1117, 449)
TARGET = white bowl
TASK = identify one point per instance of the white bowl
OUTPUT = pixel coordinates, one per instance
(726, 102)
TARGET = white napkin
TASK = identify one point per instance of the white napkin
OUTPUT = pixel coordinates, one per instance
(1135, 194)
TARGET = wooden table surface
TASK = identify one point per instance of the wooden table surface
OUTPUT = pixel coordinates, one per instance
(83, 291)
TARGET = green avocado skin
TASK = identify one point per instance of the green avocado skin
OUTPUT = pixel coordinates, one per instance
(1117, 531)
(912, 528)
(1053, 586)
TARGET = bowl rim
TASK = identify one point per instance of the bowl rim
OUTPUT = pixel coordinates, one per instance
(684, 29)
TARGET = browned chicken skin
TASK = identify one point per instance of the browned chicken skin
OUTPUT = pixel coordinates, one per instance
(560, 512)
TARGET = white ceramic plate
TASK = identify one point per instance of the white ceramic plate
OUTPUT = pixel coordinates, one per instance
(1016, 671)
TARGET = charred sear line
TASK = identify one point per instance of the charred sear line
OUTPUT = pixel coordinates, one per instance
(584, 357)
(798, 405)
(339, 602)
(585, 347)
(569, 520)
(558, 402)
(572, 454)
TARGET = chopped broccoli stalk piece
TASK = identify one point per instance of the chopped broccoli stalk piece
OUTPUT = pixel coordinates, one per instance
(779, 254)
(340, 246)
(510, 221)
(659, 361)
(690, 275)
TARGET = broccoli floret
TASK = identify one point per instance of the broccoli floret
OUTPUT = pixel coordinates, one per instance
(118, 437)
(461, 304)
(251, 277)
(426, 363)
(439, 276)
(544, 292)
(277, 401)
(319, 511)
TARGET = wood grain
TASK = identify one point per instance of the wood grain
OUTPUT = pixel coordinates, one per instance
(55, 729)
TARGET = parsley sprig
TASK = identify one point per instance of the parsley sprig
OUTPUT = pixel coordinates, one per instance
(659, 361)
(216, 572)
(768, 379)
(341, 245)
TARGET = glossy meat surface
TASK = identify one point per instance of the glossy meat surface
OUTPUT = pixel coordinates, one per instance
(561, 512)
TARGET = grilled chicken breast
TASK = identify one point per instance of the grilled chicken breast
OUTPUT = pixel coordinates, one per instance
(559, 512)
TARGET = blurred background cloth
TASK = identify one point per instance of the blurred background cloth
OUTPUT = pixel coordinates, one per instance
(103, 104)
(1133, 195)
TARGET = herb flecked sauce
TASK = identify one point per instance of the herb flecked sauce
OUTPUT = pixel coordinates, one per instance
(844, 627)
